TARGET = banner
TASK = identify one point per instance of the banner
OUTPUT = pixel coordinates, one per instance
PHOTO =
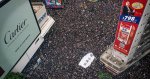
(130, 16)
(124, 36)
(133, 7)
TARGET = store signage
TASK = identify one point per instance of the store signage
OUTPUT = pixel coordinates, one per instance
(130, 17)
(124, 36)
(11, 34)
(19, 29)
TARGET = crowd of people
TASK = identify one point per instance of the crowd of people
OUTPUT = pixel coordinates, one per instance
(79, 28)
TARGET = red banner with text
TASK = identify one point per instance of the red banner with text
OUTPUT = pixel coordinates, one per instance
(129, 20)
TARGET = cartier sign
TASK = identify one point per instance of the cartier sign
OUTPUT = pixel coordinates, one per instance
(18, 30)
(11, 34)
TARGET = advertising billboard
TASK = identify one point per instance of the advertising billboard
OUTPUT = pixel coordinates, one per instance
(124, 36)
(130, 16)
(18, 30)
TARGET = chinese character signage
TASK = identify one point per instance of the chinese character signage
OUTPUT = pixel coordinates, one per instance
(130, 16)
(18, 30)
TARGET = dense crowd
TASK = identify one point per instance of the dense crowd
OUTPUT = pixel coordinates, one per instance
(80, 27)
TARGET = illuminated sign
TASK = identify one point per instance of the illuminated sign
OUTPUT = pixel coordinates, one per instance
(131, 19)
(130, 16)
(18, 30)
(124, 36)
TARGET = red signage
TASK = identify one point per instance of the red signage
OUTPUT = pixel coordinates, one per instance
(130, 16)
(133, 7)
(124, 36)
